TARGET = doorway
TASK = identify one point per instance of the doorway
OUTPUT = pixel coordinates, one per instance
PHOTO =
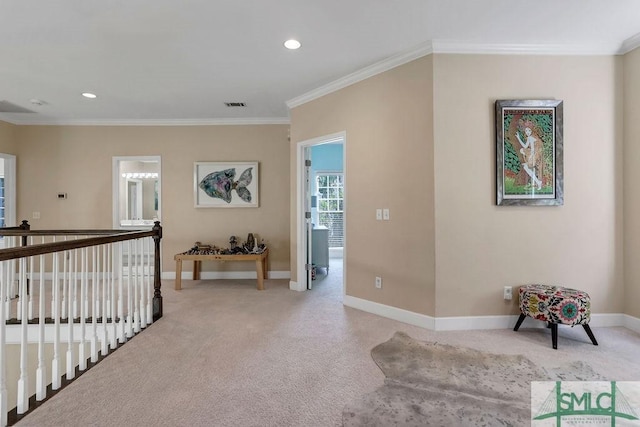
(137, 195)
(321, 213)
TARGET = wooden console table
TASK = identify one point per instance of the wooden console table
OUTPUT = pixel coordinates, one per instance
(260, 260)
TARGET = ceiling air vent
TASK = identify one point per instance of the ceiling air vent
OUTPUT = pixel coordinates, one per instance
(7, 107)
(235, 104)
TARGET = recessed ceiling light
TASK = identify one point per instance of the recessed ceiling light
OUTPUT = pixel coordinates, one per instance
(292, 44)
(89, 95)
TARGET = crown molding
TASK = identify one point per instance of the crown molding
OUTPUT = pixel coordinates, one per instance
(453, 46)
(370, 71)
(630, 44)
(175, 122)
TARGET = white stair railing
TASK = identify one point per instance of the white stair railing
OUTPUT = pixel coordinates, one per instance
(110, 292)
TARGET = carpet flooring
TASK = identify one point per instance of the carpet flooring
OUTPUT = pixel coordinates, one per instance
(225, 354)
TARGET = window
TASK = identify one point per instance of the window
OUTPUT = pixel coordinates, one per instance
(330, 188)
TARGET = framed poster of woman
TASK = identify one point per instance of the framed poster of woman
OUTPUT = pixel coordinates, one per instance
(529, 152)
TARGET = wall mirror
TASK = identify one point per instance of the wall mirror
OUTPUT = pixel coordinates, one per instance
(136, 191)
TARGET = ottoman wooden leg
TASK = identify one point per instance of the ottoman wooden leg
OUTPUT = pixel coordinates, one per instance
(588, 330)
(554, 335)
(519, 322)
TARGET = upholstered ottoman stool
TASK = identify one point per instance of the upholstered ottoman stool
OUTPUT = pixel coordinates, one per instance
(556, 305)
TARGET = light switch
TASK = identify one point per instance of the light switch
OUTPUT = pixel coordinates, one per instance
(385, 214)
(379, 214)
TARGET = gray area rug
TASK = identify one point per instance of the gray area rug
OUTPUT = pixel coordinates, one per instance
(431, 384)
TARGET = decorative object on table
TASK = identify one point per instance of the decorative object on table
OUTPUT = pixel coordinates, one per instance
(529, 152)
(251, 242)
(226, 184)
(202, 247)
(251, 246)
(556, 305)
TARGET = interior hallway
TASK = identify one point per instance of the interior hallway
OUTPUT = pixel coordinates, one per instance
(225, 354)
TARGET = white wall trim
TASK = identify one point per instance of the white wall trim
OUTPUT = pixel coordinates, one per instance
(363, 74)
(213, 275)
(389, 312)
(463, 47)
(631, 43)
(632, 323)
(296, 286)
(150, 122)
(465, 323)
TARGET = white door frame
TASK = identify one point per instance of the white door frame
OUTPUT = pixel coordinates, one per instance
(9, 189)
(116, 184)
(301, 236)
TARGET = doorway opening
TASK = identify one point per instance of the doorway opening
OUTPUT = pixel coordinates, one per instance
(321, 208)
(137, 195)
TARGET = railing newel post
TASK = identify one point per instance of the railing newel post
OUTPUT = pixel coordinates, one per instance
(157, 295)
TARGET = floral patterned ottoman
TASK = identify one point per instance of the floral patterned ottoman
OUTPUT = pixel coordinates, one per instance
(556, 305)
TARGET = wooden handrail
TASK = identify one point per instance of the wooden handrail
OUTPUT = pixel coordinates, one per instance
(105, 236)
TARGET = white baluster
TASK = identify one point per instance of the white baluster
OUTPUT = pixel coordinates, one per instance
(3, 340)
(55, 313)
(19, 310)
(105, 348)
(150, 272)
(82, 358)
(73, 312)
(65, 269)
(12, 272)
(71, 371)
(129, 330)
(41, 371)
(143, 284)
(30, 283)
(112, 292)
(23, 381)
(6, 279)
(96, 307)
(121, 335)
(136, 285)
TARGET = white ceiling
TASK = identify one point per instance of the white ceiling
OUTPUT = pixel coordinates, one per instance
(178, 61)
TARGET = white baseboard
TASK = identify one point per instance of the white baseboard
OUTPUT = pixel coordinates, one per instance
(463, 323)
(295, 286)
(632, 323)
(387, 311)
(212, 275)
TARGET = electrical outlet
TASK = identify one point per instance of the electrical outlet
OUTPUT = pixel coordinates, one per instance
(508, 292)
(35, 215)
(379, 214)
(378, 282)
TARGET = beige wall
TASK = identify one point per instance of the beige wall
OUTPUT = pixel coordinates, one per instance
(447, 239)
(631, 177)
(481, 247)
(7, 138)
(77, 160)
(389, 164)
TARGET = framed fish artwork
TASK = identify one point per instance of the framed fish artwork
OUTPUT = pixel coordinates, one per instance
(225, 184)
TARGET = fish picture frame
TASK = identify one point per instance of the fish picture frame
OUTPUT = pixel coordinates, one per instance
(226, 184)
(529, 152)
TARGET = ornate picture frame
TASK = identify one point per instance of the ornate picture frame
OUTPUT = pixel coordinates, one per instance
(226, 184)
(529, 159)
